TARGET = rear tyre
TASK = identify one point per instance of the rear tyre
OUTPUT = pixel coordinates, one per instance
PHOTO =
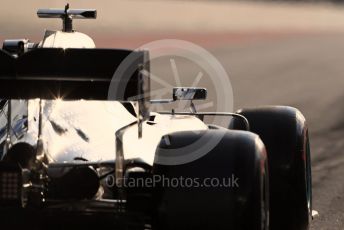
(202, 203)
(285, 135)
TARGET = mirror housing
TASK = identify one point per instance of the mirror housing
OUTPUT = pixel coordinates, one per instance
(189, 93)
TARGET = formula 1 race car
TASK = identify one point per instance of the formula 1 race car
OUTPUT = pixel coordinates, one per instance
(71, 156)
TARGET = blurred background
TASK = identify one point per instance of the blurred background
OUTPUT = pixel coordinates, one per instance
(207, 22)
(275, 52)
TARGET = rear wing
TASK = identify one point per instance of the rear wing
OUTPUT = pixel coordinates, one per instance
(73, 74)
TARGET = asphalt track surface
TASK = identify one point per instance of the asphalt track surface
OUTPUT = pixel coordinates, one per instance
(306, 72)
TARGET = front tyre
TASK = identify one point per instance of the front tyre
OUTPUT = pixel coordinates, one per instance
(285, 134)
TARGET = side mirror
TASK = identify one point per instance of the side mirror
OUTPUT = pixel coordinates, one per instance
(189, 93)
